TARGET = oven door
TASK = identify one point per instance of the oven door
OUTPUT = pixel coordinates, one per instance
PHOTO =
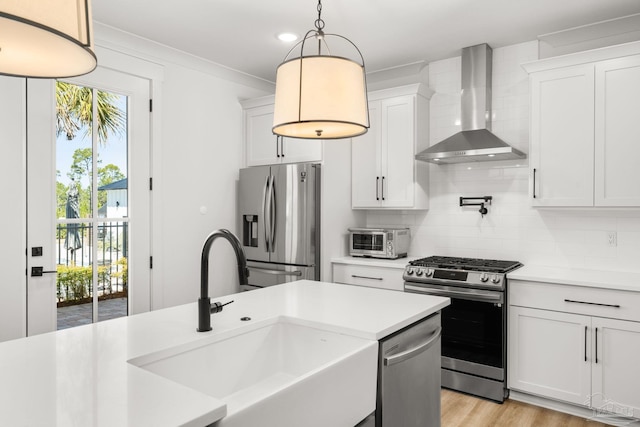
(368, 244)
(473, 329)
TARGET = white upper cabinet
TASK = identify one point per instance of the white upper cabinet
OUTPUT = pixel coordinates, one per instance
(617, 134)
(562, 137)
(262, 147)
(384, 173)
(584, 137)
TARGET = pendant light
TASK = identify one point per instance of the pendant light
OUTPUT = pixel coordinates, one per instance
(320, 96)
(46, 38)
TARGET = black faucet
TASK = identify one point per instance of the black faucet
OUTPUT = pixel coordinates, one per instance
(205, 308)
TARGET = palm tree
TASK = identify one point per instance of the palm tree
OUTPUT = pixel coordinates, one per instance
(74, 111)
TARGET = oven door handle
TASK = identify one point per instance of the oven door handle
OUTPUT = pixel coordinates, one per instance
(408, 354)
(472, 295)
(276, 272)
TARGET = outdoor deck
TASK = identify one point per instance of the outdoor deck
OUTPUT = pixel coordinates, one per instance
(76, 315)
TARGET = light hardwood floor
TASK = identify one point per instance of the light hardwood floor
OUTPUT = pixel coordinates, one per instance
(461, 410)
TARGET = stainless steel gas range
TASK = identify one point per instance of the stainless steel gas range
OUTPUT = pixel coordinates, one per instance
(474, 326)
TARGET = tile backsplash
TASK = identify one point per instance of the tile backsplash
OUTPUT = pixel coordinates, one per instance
(512, 229)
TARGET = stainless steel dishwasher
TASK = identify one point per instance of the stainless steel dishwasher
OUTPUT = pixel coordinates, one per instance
(409, 376)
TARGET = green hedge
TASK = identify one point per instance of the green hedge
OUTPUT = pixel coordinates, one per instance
(75, 283)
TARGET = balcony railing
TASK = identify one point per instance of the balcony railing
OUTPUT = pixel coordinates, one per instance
(74, 258)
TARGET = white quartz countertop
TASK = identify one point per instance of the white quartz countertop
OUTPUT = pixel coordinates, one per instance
(399, 263)
(81, 377)
(618, 280)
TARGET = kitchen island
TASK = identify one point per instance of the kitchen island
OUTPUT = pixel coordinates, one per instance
(83, 376)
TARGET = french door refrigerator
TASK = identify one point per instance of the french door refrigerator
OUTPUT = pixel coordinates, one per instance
(279, 214)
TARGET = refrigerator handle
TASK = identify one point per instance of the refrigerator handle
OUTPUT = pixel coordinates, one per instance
(265, 222)
(272, 214)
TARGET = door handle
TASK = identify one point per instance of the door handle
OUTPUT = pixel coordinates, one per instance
(470, 295)
(408, 354)
(534, 183)
(39, 271)
(272, 213)
(265, 215)
(276, 272)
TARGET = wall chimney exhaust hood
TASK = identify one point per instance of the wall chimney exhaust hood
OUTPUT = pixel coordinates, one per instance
(475, 143)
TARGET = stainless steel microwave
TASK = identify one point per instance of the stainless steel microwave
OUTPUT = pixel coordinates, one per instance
(390, 243)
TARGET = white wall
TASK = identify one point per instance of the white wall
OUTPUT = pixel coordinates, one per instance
(197, 152)
(337, 215)
(13, 214)
(512, 229)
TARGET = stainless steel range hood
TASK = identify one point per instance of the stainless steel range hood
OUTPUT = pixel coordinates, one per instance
(475, 143)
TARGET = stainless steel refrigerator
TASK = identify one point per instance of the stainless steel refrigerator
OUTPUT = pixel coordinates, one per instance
(279, 214)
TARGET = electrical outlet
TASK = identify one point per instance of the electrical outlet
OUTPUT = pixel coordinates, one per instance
(612, 238)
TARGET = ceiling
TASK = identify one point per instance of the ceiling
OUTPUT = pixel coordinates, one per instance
(240, 34)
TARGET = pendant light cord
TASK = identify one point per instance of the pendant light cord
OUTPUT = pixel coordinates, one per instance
(319, 22)
(319, 27)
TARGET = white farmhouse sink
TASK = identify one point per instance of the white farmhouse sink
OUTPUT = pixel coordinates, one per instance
(281, 374)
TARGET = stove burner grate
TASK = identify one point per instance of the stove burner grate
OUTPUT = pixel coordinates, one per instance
(471, 264)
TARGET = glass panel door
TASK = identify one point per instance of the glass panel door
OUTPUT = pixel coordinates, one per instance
(92, 141)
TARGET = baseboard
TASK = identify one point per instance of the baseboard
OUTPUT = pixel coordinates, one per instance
(567, 408)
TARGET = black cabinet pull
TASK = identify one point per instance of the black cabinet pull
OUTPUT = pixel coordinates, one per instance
(534, 183)
(596, 345)
(383, 188)
(277, 146)
(282, 146)
(355, 276)
(592, 303)
(585, 343)
(377, 182)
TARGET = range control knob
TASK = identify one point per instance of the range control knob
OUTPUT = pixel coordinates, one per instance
(429, 272)
(419, 272)
(484, 277)
(495, 279)
(410, 271)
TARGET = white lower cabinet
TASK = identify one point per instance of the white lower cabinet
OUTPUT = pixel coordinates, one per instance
(575, 357)
(371, 276)
(615, 372)
(548, 353)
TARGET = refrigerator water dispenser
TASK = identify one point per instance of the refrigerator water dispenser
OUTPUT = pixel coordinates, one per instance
(250, 231)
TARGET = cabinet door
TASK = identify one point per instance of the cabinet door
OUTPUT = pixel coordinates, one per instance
(617, 134)
(549, 354)
(260, 142)
(562, 136)
(616, 376)
(295, 150)
(365, 163)
(398, 149)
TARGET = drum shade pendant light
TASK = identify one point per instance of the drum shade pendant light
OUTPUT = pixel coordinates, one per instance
(320, 96)
(46, 38)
